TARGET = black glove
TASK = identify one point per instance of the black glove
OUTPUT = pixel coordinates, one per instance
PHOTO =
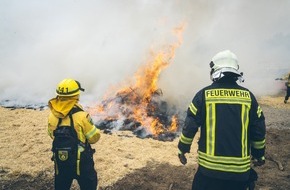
(182, 158)
(258, 161)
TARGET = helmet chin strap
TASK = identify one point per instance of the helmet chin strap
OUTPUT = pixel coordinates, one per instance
(241, 79)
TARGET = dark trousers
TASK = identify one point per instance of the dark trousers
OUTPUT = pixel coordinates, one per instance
(202, 182)
(287, 94)
(86, 182)
(87, 179)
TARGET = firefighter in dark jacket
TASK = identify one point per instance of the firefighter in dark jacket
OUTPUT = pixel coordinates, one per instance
(232, 129)
(67, 114)
(287, 84)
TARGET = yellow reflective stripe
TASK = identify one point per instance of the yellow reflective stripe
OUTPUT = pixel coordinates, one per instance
(224, 159)
(244, 134)
(56, 166)
(245, 124)
(78, 167)
(222, 163)
(213, 122)
(80, 150)
(258, 144)
(50, 133)
(192, 108)
(80, 135)
(210, 128)
(259, 111)
(78, 161)
(224, 168)
(91, 133)
(229, 101)
(226, 96)
(185, 140)
(206, 128)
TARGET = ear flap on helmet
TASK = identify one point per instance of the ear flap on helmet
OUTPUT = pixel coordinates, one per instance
(211, 64)
(79, 84)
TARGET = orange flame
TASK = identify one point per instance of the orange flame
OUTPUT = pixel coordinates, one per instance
(135, 102)
(174, 124)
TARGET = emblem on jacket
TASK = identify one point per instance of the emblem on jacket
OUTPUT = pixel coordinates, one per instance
(63, 155)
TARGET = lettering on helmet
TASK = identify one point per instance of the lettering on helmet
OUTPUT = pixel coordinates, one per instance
(62, 90)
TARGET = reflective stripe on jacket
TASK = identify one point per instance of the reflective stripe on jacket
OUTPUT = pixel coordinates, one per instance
(230, 121)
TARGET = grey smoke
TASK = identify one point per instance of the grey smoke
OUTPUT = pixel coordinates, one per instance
(102, 43)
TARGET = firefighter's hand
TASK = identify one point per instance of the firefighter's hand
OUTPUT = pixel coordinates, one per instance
(182, 158)
(258, 161)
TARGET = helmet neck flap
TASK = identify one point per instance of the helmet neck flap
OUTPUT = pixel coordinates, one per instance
(225, 62)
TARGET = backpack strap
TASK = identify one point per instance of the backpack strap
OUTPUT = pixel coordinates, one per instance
(85, 145)
(74, 110)
(71, 124)
(59, 122)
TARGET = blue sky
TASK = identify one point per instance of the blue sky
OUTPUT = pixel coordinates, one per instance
(102, 43)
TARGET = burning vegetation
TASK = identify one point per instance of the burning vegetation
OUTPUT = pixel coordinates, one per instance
(139, 107)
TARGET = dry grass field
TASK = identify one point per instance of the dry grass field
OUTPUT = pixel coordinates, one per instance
(124, 161)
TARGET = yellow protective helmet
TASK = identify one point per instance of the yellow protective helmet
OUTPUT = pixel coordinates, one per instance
(69, 87)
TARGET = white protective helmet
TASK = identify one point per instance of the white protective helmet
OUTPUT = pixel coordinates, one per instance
(224, 62)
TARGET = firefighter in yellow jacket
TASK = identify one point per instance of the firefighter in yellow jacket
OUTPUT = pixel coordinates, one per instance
(73, 132)
(232, 130)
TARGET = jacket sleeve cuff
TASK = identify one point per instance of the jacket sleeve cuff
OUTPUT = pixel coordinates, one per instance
(257, 153)
(184, 148)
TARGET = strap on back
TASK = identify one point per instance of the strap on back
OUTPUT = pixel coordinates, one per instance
(73, 111)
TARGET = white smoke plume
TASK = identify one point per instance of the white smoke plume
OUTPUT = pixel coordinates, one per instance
(101, 43)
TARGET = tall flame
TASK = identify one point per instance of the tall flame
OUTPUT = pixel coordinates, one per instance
(136, 104)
